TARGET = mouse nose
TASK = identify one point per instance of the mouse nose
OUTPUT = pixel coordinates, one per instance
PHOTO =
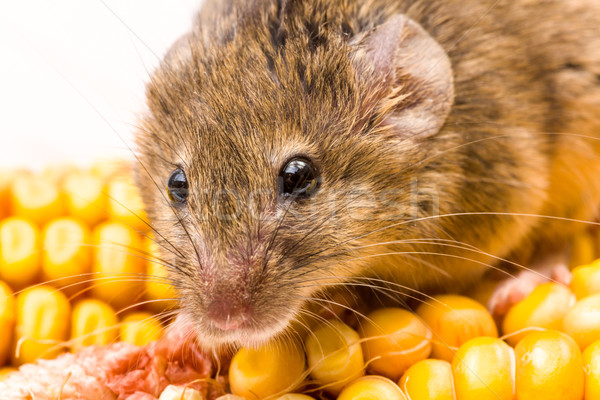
(227, 314)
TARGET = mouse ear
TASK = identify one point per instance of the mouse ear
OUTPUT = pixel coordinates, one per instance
(408, 76)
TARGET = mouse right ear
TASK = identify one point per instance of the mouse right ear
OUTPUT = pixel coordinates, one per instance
(408, 76)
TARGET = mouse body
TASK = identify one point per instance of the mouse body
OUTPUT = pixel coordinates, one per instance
(294, 149)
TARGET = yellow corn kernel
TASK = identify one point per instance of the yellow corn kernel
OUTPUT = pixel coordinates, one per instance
(159, 291)
(93, 322)
(176, 392)
(266, 371)
(295, 396)
(586, 279)
(428, 380)
(395, 339)
(125, 204)
(117, 265)
(582, 322)
(484, 368)
(4, 372)
(140, 328)
(545, 307)
(454, 320)
(34, 198)
(20, 255)
(85, 197)
(549, 367)
(67, 254)
(583, 250)
(334, 355)
(56, 173)
(5, 180)
(43, 315)
(372, 387)
(7, 320)
(591, 362)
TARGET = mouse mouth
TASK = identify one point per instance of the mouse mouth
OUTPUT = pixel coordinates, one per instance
(220, 324)
(248, 332)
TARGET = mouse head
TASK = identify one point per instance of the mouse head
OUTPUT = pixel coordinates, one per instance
(266, 149)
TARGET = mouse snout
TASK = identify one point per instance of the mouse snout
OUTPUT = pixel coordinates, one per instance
(228, 313)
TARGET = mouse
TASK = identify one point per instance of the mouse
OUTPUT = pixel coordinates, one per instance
(295, 151)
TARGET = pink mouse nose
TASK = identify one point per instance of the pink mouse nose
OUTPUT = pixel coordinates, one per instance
(227, 314)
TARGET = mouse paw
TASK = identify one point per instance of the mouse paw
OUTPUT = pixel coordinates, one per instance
(511, 291)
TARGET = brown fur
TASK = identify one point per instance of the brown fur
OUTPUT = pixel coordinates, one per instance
(258, 82)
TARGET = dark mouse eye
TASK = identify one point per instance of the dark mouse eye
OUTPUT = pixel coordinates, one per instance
(177, 187)
(298, 177)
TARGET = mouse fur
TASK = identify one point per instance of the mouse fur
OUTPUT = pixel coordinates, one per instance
(429, 172)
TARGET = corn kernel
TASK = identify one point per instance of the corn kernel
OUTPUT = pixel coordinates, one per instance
(125, 204)
(586, 280)
(428, 380)
(20, 256)
(93, 322)
(549, 367)
(582, 322)
(230, 396)
(295, 396)
(4, 372)
(174, 392)
(398, 339)
(43, 315)
(67, 255)
(545, 307)
(267, 370)
(591, 362)
(5, 180)
(34, 198)
(85, 197)
(334, 355)
(159, 291)
(583, 250)
(372, 387)
(117, 266)
(484, 368)
(7, 320)
(454, 320)
(56, 173)
(140, 328)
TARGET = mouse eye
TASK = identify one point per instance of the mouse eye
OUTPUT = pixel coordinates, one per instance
(177, 187)
(298, 177)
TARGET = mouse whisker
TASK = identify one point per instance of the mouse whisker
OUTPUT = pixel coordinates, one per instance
(314, 316)
(124, 277)
(407, 241)
(429, 253)
(290, 202)
(335, 303)
(174, 212)
(381, 287)
(452, 215)
(440, 242)
(163, 142)
(173, 250)
(313, 230)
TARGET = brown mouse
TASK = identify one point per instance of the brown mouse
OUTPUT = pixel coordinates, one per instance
(292, 149)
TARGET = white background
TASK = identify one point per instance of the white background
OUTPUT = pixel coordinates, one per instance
(72, 74)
